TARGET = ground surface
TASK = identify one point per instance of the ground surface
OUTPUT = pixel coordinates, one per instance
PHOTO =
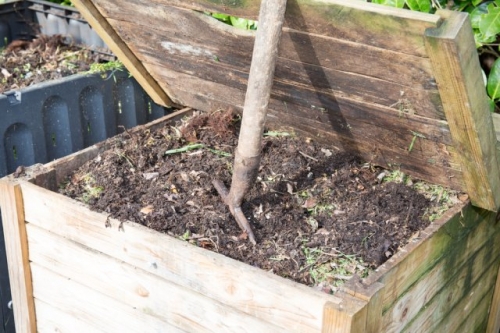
(319, 216)
(24, 63)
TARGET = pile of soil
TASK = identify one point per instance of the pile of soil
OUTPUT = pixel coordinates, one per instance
(24, 63)
(319, 216)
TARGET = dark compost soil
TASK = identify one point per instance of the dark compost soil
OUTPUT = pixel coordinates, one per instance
(24, 63)
(319, 216)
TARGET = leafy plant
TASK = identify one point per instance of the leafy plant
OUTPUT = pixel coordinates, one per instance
(236, 22)
(485, 21)
(62, 2)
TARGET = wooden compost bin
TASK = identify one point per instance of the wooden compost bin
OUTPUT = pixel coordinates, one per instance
(369, 79)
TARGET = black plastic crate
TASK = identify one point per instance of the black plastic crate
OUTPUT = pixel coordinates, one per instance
(25, 19)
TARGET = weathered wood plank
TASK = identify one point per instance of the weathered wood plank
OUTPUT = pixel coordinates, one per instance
(98, 310)
(16, 246)
(376, 25)
(436, 292)
(321, 105)
(458, 74)
(440, 169)
(446, 242)
(257, 293)
(132, 286)
(174, 27)
(51, 319)
(371, 294)
(494, 316)
(108, 34)
(347, 317)
(324, 64)
(471, 311)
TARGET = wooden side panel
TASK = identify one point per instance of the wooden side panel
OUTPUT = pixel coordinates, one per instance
(51, 319)
(132, 286)
(445, 246)
(438, 294)
(105, 313)
(106, 32)
(494, 317)
(428, 159)
(471, 311)
(361, 22)
(457, 69)
(259, 294)
(16, 244)
(195, 43)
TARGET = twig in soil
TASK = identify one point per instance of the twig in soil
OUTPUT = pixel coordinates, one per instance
(235, 210)
(133, 137)
(307, 156)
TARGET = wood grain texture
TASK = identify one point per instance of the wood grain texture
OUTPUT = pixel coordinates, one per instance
(121, 50)
(98, 310)
(436, 293)
(192, 42)
(51, 319)
(132, 286)
(349, 316)
(429, 160)
(442, 248)
(373, 294)
(16, 246)
(262, 295)
(471, 311)
(457, 69)
(376, 25)
(494, 311)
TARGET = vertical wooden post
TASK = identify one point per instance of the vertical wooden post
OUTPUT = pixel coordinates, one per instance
(371, 294)
(451, 49)
(494, 319)
(349, 316)
(16, 244)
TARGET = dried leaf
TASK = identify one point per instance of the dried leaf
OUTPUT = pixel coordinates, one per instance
(185, 177)
(150, 175)
(327, 152)
(6, 73)
(147, 209)
(310, 203)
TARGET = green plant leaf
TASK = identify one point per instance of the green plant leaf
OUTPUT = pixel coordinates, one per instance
(392, 3)
(493, 85)
(420, 5)
(477, 14)
(490, 22)
(222, 17)
(239, 22)
(481, 39)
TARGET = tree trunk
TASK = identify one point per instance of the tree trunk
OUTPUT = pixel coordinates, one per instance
(260, 80)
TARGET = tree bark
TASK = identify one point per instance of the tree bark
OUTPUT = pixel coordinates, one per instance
(260, 80)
